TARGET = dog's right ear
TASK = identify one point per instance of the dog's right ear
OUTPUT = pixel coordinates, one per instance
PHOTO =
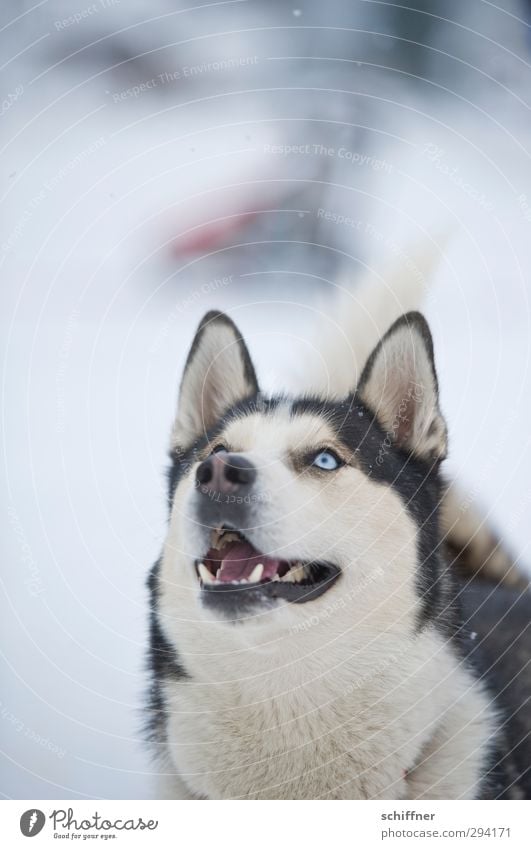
(218, 374)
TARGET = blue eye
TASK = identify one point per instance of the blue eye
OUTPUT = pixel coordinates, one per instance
(326, 460)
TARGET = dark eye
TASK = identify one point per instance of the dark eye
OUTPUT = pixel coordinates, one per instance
(327, 460)
(218, 448)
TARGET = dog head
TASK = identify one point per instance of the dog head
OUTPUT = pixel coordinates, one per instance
(282, 505)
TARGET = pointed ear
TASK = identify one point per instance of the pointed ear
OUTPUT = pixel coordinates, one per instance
(218, 373)
(399, 385)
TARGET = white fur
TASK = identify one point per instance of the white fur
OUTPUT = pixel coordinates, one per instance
(340, 697)
(336, 698)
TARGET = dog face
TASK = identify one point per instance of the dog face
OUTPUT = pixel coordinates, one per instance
(281, 507)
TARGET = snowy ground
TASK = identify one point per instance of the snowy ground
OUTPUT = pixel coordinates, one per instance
(99, 303)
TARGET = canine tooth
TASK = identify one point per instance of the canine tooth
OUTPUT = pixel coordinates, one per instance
(256, 574)
(206, 577)
(296, 574)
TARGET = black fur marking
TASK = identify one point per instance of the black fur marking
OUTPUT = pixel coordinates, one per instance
(416, 324)
(413, 321)
(416, 482)
(419, 485)
(164, 664)
(497, 643)
(216, 317)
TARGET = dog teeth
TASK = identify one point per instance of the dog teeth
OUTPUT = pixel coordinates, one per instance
(256, 574)
(288, 577)
(221, 538)
(205, 575)
(295, 575)
(231, 537)
(214, 538)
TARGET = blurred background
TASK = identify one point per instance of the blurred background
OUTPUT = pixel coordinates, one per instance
(162, 158)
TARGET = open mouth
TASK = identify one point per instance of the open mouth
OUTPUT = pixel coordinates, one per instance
(232, 563)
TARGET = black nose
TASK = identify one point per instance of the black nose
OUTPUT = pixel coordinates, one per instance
(225, 473)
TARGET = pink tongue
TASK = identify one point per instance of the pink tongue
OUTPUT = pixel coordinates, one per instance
(239, 560)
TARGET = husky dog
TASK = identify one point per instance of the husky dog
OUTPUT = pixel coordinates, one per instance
(310, 638)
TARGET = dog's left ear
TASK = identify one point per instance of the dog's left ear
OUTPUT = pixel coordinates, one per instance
(218, 373)
(399, 385)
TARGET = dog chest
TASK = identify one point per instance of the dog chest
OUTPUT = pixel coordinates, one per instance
(291, 749)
